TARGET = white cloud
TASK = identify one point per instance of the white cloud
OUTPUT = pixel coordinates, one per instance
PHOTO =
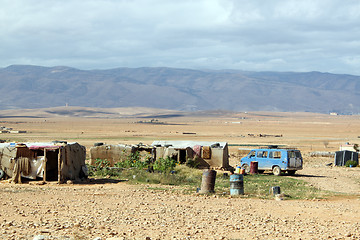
(280, 35)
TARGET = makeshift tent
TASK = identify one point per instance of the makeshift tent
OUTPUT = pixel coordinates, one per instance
(50, 161)
(341, 157)
(206, 154)
(118, 153)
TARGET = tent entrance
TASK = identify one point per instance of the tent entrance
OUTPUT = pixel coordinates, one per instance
(51, 164)
(43, 162)
(182, 156)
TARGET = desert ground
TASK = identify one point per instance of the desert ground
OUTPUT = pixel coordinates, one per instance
(106, 209)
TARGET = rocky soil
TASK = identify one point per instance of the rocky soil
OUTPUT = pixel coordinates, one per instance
(105, 209)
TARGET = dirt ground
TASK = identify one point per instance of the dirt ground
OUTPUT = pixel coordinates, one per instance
(117, 210)
(105, 209)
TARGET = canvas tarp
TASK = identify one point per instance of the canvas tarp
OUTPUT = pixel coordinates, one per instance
(120, 152)
(63, 162)
(112, 153)
(206, 154)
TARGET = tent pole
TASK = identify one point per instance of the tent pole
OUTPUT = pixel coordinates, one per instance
(44, 166)
(59, 165)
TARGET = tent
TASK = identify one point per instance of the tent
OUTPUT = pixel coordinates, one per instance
(206, 154)
(56, 160)
(341, 157)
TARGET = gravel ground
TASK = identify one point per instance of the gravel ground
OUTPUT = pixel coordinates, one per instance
(123, 211)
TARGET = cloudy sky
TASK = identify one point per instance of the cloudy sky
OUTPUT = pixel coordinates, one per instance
(256, 35)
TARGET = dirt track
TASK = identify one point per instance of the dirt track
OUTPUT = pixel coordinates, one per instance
(334, 179)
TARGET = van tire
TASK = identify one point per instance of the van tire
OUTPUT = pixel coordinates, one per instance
(246, 168)
(276, 170)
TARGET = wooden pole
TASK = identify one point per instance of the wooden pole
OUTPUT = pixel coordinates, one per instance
(44, 166)
(59, 165)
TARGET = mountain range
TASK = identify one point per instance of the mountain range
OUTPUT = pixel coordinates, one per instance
(28, 87)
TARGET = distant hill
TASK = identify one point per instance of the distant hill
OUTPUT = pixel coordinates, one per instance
(178, 89)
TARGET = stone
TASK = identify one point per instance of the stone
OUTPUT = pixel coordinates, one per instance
(39, 237)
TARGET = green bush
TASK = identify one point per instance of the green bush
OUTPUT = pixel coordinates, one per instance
(101, 168)
(351, 163)
(101, 164)
(133, 161)
(164, 164)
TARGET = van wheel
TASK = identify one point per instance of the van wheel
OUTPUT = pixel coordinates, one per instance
(261, 171)
(277, 171)
(246, 168)
(291, 172)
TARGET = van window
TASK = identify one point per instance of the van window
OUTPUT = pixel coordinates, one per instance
(262, 154)
(293, 154)
(275, 154)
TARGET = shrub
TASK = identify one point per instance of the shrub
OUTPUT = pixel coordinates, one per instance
(134, 161)
(164, 164)
(192, 163)
(101, 168)
(101, 164)
(351, 163)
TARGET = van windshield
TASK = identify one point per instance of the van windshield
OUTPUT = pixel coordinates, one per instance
(251, 154)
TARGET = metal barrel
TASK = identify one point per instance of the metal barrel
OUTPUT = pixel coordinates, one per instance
(275, 190)
(253, 167)
(208, 181)
(236, 184)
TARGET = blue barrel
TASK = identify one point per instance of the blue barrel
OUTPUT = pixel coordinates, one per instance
(236, 184)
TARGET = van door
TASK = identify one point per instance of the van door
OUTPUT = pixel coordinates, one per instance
(262, 159)
(294, 159)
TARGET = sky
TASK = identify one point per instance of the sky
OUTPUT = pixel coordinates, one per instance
(251, 35)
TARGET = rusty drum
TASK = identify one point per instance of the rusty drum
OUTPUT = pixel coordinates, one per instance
(253, 167)
(208, 181)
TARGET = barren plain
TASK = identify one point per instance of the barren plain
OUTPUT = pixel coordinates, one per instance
(105, 209)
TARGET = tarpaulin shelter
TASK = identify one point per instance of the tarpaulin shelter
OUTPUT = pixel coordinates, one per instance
(118, 153)
(206, 154)
(52, 161)
(341, 157)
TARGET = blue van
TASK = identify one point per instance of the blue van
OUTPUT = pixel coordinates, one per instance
(276, 160)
